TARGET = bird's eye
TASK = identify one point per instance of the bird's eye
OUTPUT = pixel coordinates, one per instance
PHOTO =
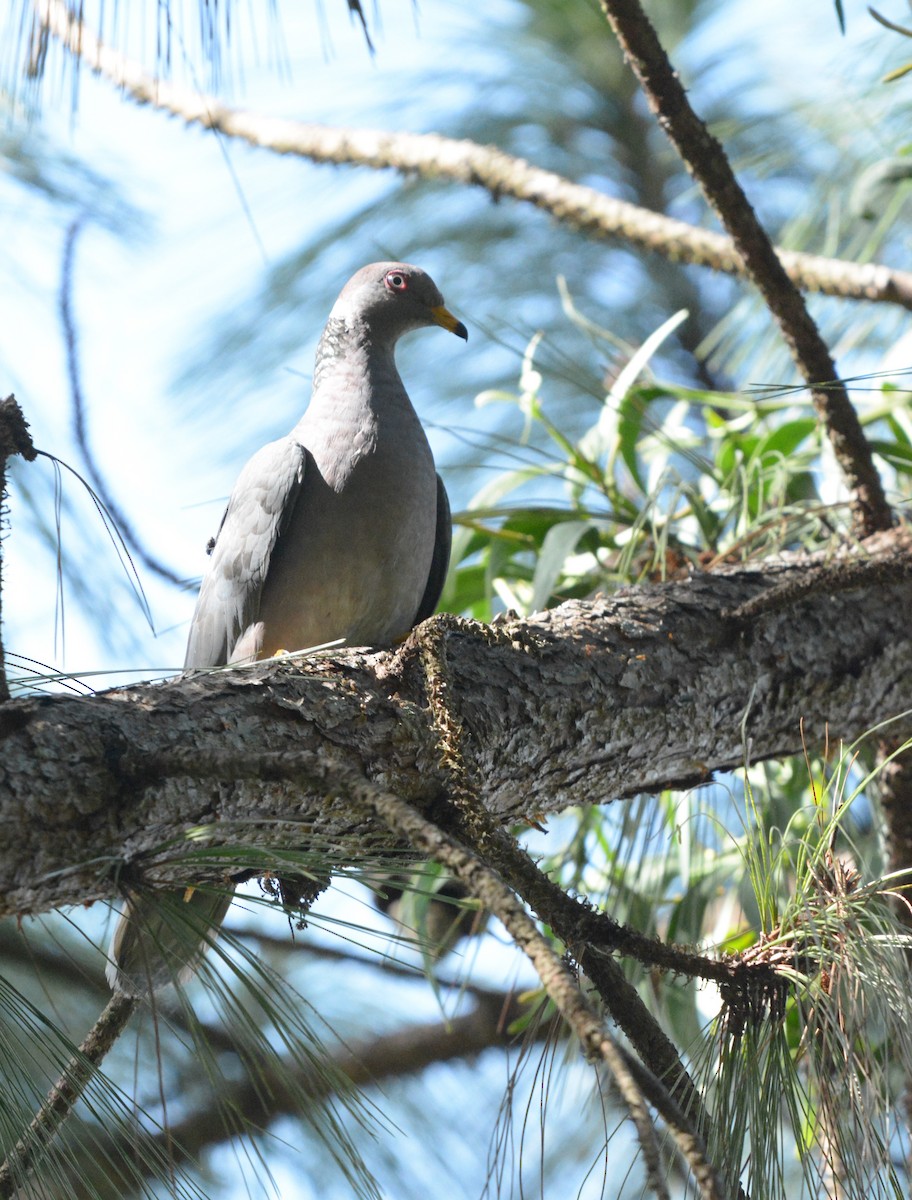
(396, 281)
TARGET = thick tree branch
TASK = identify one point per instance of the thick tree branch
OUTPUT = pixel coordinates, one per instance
(584, 704)
(706, 160)
(434, 157)
(576, 922)
(895, 779)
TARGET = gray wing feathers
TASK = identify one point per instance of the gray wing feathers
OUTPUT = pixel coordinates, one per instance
(161, 936)
(258, 510)
(441, 558)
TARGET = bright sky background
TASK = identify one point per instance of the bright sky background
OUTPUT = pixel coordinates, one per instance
(147, 301)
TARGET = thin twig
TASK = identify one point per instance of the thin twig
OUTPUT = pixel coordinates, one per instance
(462, 161)
(558, 981)
(587, 934)
(80, 428)
(706, 160)
(62, 1098)
(14, 439)
(315, 771)
(581, 923)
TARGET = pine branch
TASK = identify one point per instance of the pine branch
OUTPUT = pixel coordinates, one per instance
(706, 160)
(657, 687)
(432, 156)
(634, 1082)
(14, 439)
(276, 1090)
(63, 1096)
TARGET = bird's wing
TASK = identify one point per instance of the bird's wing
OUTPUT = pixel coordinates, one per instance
(258, 510)
(441, 558)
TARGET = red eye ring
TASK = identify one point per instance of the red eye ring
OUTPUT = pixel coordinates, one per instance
(397, 281)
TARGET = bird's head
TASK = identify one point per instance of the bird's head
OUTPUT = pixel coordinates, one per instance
(391, 298)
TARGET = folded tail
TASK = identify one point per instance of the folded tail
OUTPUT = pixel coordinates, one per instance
(161, 937)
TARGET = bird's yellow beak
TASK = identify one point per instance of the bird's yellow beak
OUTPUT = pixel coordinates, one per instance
(443, 317)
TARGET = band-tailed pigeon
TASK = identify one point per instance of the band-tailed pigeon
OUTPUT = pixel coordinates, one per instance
(339, 530)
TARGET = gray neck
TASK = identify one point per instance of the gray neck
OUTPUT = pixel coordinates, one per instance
(359, 406)
(348, 352)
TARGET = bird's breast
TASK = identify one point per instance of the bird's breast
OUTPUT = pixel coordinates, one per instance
(354, 558)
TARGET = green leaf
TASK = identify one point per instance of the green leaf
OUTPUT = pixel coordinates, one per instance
(898, 432)
(598, 440)
(897, 454)
(629, 431)
(787, 438)
(559, 544)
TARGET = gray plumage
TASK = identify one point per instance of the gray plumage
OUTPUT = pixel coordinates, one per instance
(339, 530)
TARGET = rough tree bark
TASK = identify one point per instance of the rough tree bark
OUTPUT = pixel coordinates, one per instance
(584, 704)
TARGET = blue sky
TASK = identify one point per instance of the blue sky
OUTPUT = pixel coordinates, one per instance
(189, 249)
(145, 300)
